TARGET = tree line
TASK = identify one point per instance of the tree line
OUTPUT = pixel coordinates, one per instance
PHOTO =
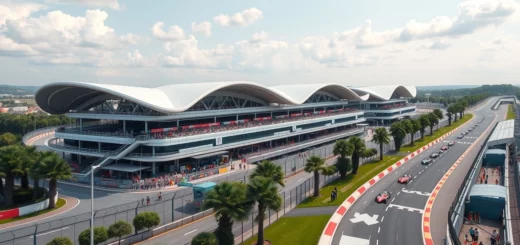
(21, 124)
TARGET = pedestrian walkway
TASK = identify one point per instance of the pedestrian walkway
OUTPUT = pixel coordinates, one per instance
(71, 203)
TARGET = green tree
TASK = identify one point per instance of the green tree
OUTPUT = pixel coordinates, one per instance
(408, 126)
(416, 127)
(54, 168)
(8, 139)
(229, 201)
(432, 118)
(100, 236)
(35, 171)
(269, 169)
(425, 122)
(29, 158)
(61, 241)
(398, 132)
(317, 165)
(119, 229)
(10, 165)
(438, 113)
(381, 137)
(342, 149)
(263, 191)
(359, 149)
(205, 238)
(449, 114)
(146, 220)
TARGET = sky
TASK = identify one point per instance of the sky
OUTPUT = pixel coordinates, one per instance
(353, 43)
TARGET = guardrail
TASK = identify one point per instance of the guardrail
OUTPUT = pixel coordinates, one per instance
(39, 131)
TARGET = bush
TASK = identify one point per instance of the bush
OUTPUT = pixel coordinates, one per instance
(61, 241)
(119, 229)
(204, 238)
(146, 220)
(100, 235)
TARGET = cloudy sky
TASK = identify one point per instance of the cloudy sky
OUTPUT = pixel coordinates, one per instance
(351, 42)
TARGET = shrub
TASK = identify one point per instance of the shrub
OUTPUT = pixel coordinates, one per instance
(119, 229)
(204, 238)
(60, 241)
(100, 235)
(146, 220)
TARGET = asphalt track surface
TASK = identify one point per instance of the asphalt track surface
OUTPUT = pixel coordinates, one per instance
(399, 221)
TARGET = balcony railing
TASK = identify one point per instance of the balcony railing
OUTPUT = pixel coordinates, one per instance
(93, 133)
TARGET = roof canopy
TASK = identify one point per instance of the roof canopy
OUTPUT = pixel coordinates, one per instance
(503, 133)
(485, 190)
(61, 97)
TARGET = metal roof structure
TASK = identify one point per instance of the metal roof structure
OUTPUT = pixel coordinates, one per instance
(386, 92)
(486, 190)
(62, 97)
(504, 133)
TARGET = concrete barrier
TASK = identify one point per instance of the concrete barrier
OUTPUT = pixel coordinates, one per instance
(25, 210)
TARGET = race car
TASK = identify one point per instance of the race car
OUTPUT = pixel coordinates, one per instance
(470, 129)
(426, 161)
(452, 143)
(460, 136)
(444, 148)
(404, 179)
(434, 155)
(383, 197)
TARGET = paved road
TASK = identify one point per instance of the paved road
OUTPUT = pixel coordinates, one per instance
(399, 221)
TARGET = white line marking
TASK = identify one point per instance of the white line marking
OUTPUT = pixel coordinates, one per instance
(417, 192)
(299, 180)
(365, 202)
(372, 191)
(49, 232)
(410, 181)
(190, 232)
(377, 242)
(405, 207)
(379, 229)
(383, 218)
(415, 176)
(398, 193)
(386, 209)
(393, 199)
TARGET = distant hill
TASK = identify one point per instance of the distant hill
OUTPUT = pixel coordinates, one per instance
(18, 90)
(445, 87)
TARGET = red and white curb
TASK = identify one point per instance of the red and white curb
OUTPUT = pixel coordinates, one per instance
(427, 235)
(330, 229)
(31, 140)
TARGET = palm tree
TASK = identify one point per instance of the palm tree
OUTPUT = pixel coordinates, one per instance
(398, 132)
(343, 149)
(34, 172)
(416, 126)
(432, 118)
(317, 165)
(269, 169)
(54, 168)
(449, 113)
(229, 201)
(29, 158)
(408, 126)
(438, 113)
(11, 166)
(263, 191)
(463, 106)
(359, 149)
(425, 122)
(381, 137)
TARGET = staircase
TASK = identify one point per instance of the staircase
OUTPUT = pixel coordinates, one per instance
(109, 157)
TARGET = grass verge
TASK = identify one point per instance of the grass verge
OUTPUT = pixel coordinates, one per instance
(294, 230)
(510, 112)
(366, 171)
(61, 202)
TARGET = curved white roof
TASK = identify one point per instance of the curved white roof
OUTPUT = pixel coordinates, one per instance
(61, 97)
(386, 92)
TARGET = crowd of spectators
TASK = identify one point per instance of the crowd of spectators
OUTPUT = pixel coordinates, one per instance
(175, 133)
(389, 107)
(169, 179)
(116, 132)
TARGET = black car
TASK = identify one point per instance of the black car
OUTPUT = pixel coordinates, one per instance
(460, 136)
(451, 143)
(434, 155)
(426, 161)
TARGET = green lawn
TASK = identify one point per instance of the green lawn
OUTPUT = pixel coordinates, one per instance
(294, 230)
(61, 202)
(366, 171)
(511, 112)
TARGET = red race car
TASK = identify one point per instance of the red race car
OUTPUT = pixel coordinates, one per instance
(383, 197)
(444, 148)
(404, 179)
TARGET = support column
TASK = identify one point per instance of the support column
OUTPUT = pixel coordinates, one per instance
(177, 123)
(79, 144)
(177, 167)
(153, 169)
(237, 117)
(79, 160)
(81, 124)
(153, 150)
(124, 126)
(99, 146)
(214, 119)
(145, 126)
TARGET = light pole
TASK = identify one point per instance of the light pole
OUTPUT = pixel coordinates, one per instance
(92, 203)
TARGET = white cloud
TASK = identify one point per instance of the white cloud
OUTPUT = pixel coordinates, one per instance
(186, 53)
(173, 34)
(439, 45)
(17, 11)
(203, 27)
(364, 37)
(259, 37)
(244, 18)
(113, 4)
(474, 15)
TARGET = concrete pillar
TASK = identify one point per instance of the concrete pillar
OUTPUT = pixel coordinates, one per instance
(177, 167)
(79, 144)
(124, 126)
(237, 117)
(99, 146)
(81, 124)
(214, 119)
(79, 160)
(177, 123)
(146, 126)
(153, 168)
(153, 150)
